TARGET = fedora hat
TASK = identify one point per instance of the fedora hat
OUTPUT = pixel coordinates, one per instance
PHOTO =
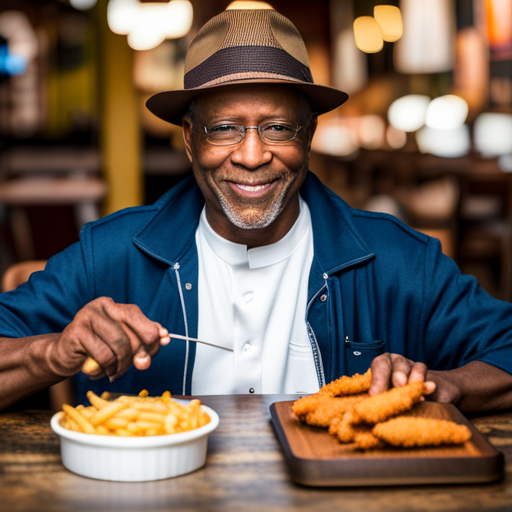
(245, 46)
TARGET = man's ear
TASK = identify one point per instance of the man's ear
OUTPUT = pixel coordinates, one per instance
(186, 125)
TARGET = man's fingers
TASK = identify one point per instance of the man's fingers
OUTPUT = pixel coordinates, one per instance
(401, 370)
(394, 370)
(430, 387)
(381, 374)
(114, 336)
(418, 372)
(165, 339)
(142, 360)
(146, 331)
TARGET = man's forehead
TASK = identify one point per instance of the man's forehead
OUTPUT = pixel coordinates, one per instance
(281, 95)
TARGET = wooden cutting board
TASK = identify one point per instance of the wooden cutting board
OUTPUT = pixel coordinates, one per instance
(316, 458)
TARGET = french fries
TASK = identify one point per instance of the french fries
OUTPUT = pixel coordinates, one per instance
(129, 416)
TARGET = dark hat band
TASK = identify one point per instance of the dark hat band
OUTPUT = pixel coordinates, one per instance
(247, 59)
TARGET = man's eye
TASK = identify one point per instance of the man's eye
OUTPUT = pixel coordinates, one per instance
(223, 128)
(278, 128)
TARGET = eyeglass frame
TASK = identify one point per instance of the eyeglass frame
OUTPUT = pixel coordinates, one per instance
(243, 133)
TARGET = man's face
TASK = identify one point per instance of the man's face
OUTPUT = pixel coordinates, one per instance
(251, 185)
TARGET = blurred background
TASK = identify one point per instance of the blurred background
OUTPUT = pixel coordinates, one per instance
(426, 134)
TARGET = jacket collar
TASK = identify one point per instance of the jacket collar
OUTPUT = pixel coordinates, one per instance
(337, 243)
(171, 231)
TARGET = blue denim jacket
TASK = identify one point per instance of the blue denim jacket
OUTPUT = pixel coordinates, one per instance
(375, 285)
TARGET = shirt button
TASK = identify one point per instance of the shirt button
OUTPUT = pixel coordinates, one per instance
(246, 347)
(248, 297)
(251, 390)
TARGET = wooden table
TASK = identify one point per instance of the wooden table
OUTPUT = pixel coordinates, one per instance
(245, 471)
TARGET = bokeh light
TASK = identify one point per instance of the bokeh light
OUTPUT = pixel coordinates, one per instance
(83, 5)
(408, 113)
(446, 143)
(368, 34)
(447, 112)
(492, 133)
(239, 4)
(122, 15)
(389, 19)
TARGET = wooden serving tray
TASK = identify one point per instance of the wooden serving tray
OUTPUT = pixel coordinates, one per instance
(316, 458)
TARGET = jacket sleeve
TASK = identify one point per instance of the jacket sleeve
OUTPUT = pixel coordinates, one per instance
(49, 300)
(462, 322)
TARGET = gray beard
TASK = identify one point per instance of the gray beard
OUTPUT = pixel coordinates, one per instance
(257, 220)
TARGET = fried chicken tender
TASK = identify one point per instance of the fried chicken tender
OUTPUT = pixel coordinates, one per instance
(320, 410)
(366, 441)
(383, 406)
(345, 429)
(349, 432)
(346, 385)
(410, 431)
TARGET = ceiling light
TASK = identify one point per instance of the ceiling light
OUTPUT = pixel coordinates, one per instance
(122, 15)
(390, 21)
(82, 5)
(368, 34)
(178, 19)
(428, 42)
(149, 28)
(155, 22)
(238, 4)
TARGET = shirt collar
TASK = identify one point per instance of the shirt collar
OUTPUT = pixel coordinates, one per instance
(258, 257)
(169, 235)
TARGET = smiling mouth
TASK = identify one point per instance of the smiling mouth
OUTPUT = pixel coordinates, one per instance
(249, 191)
(252, 188)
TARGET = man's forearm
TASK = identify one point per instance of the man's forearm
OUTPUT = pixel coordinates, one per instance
(26, 367)
(475, 387)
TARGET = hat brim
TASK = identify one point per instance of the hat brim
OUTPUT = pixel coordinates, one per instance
(171, 106)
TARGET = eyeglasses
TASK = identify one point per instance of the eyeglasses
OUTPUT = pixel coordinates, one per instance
(270, 133)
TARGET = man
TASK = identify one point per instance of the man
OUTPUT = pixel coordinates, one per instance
(291, 286)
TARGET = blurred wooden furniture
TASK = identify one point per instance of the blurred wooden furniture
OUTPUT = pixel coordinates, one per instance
(14, 276)
(48, 177)
(484, 218)
(245, 470)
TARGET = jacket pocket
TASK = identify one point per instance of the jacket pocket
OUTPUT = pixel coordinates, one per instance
(359, 356)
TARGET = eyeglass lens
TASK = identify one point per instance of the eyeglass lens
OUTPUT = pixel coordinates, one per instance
(234, 133)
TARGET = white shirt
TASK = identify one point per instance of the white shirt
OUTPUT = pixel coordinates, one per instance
(254, 302)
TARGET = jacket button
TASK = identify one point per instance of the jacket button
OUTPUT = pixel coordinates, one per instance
(323, 298)
(188, 286)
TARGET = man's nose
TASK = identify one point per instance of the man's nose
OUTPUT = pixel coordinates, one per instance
(252, 152)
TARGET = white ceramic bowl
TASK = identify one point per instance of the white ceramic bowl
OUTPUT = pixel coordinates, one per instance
(134, 459)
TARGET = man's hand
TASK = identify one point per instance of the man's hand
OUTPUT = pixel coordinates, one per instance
(474, 387)
(394, 370)
(114, 335)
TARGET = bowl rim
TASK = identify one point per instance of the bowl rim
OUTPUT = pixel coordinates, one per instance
(136, 441)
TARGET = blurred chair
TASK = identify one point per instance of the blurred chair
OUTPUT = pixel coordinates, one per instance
(14, 276)
(431, 207)
(19, 273)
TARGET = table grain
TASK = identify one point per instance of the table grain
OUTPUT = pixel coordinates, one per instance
(245, 471)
